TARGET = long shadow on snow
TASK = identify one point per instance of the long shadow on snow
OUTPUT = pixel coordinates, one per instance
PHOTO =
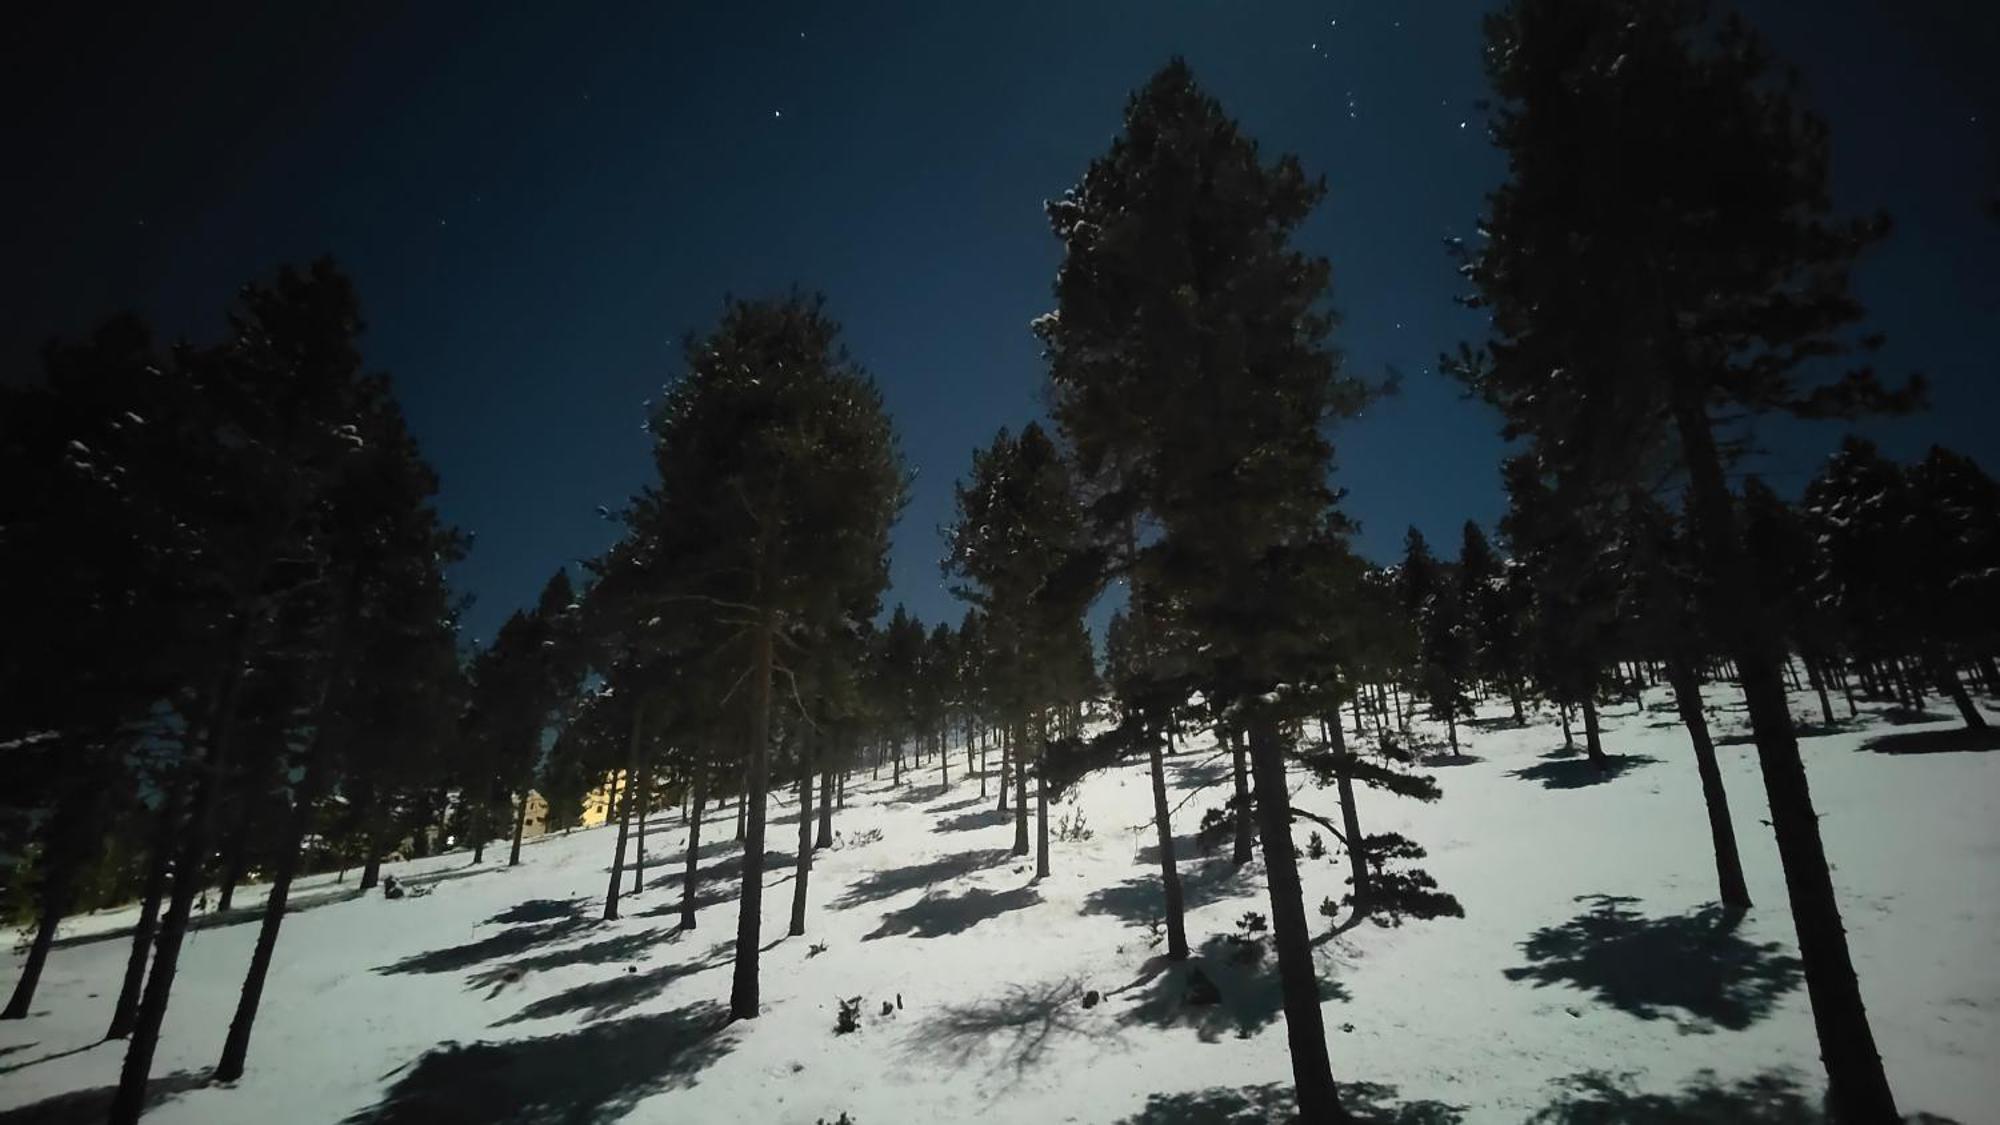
(1691, 968)
(621, 948)
(941, 913)
(539, 910)
(1252, 996)
(1137, 900)
(726, 868)
(1200, 775)
(1371, 1102)
(600, 999)
(89, 1107)
(506, 943)
(1957, 740)
(597, 1073)
(988, 817)
(1771, 1098)
(1579, 772)
(888, 883)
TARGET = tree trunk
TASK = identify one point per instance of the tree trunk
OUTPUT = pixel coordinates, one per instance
(371, 868)
(749, 919)
(1721, 829)
(520, 825)
(126, 1010)
(1041, 824)
(236, 855)
(1006, 764)
(1949, 683)
(1592, 744)
(58, 881)
(625, 813)
(1818, 681)
(236, 1046)
(694, 849)
(1350, 819)
(1569, 739)
(1858, 1088)
(1170, 876)
(130, 1100)
(825, 837)
(1318, 1097)
(1018, 736)
(1245, 846)
(641, 805)
(804, 864)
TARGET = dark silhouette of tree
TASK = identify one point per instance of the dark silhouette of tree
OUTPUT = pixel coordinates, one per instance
(1188, 363)
(1662, 249)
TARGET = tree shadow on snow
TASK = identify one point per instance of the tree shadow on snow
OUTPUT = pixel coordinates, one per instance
(965, 803)
(89, 1107)
(1139, 900)
(1771, 1098)
(1021, 1024)
(1691, 968)
(726, 868)
(506, 943)
(941, 913)
(1251, 995)
(597, 1073)
(622, 947)
(1201, 775)
(1957, 740)
(539, 910)
(1578, 772)
(601, 999)
(980, 818)
(889, 882)
(1371, 1102)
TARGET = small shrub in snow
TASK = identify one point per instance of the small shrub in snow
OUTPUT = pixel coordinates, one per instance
(1315, 847)
(1070, 828)
(815, 949)
(850, 1016)
(861, 839)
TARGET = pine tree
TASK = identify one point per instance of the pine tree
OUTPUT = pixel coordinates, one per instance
(1663, 249)
(779, 477)
(1187, 360)
(1018, 533)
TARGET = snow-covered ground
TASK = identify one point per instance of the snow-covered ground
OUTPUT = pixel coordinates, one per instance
(1590, 980)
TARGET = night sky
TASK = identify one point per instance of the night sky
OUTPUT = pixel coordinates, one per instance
(538, 203)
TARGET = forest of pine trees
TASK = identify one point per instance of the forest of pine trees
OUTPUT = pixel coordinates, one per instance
(247, 664)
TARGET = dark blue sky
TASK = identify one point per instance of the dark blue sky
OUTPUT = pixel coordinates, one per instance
(537, 201)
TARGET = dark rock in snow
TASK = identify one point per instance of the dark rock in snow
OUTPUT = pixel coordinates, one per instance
(1091, 998)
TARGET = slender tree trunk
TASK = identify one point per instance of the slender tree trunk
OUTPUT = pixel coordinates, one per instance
(1318, 1097)
(826, 784)
(130, 1100)
(1245, 846)
(693, 851)
(236, 1046)
(1350, 817)
(641, 806)
(58, 883)
(1859, 1089)
(1721, 829)
(625, 815)
(371, 868)
(1006, 735)
(126, 1010)
(1949, 683)
(1592, 744)
(978, 735)
(1818, 680)
(944, 761)
(520, 825)
(804, 864)
(749, 920)
(236, 854)
(1170, 876)
(742, 805)
(1019, 737)
(1041, 824)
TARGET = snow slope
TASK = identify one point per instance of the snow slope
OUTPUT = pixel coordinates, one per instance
(1591, 979)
